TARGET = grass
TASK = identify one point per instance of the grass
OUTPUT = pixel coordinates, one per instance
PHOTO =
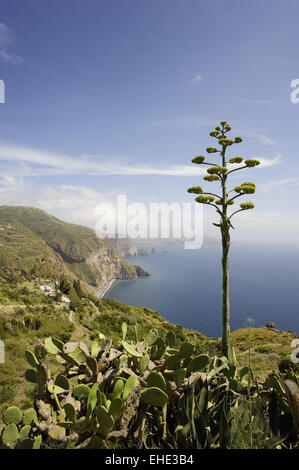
(268, 348)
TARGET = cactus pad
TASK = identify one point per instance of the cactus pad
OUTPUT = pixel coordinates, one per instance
(12, 415)
(130, 349)
(154, 396)
(10, 434)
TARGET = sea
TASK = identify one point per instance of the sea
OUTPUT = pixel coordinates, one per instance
(185, 286)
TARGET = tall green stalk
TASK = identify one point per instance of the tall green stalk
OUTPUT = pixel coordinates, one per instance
(249, 321)
(225, 236)
(220, 174)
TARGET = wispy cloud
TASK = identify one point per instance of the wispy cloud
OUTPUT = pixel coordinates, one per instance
(195, 80)
(38, 162)
(41, 162)
(74, 204)
(7, 42)
(266, 162)
(193, 122)
(251, 101)
(276, 184)
(264, 139)
(179, 123)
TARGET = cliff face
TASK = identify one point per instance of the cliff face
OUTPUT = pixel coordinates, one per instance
(39, 244)
(123, 246)
(140, 271)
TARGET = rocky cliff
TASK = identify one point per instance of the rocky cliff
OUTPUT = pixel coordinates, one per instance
(41, 245)
(123, 246)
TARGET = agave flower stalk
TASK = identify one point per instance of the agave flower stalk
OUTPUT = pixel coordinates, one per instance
(219, 173)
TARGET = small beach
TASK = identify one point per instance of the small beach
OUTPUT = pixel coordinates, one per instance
(107, 286)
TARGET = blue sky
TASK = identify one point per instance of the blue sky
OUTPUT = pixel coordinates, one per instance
(108, 97)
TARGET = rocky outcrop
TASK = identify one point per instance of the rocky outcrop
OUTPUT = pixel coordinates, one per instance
(142, 252)
(54, 249)
(141, 272)
(123, 246)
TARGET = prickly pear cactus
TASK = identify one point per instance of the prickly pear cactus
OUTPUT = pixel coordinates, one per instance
(21, 430)
(155, 392)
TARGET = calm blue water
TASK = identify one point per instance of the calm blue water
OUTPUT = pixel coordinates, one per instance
(185, 286)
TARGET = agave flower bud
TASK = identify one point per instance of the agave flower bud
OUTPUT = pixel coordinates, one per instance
(198, 160)
(248, 189)
(225, 141)
(252, 162)
(218, 202)
(214, 133)
(238, 140)
(228, 128)
(195, 190)
(205, 199)
(223, 123)
(211, 178)
(214, 170)
(246, 205)
(245, 188)
(235, 160)
(211, 150)
(217, 128)
(230, 202)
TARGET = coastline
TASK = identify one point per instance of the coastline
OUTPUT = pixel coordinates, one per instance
(106, 288)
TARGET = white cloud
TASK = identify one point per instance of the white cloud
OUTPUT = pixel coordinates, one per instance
(9, 185)
(264, 139)
(7, 40)
(196, 79)
(275, 184)
(9, 57)
(74, 204)
(40, 162)
(6, 36)
(266, 162)
(43, 162)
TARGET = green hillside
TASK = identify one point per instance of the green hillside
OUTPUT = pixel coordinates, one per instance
(39, 244)
(75, 242)
(27, 316)
(23, 250)
(36, 247)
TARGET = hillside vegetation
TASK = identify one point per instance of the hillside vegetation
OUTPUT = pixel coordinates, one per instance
(36, 248)
(156, 391)
(28, 315)
(40, 245)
